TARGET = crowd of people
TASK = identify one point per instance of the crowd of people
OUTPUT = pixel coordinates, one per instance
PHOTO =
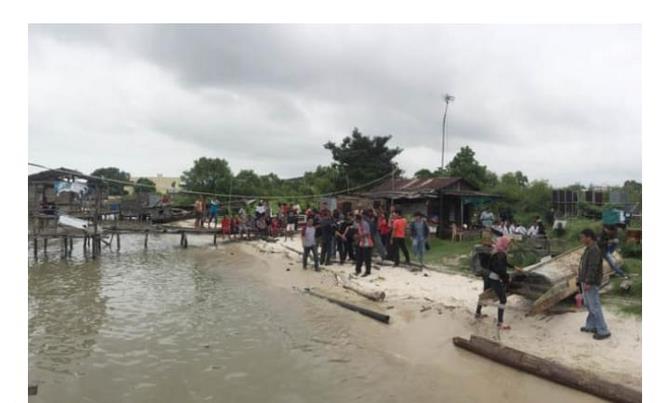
(507, 226)
(359, 235)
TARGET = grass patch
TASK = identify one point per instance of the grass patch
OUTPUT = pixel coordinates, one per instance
(448, 253)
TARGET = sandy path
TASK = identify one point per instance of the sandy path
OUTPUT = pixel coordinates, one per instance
(555, 337)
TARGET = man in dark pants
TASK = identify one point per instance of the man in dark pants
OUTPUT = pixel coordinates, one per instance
(364, 244)
(327, 234)
(398, 238)
(589, 278)
(309, 244)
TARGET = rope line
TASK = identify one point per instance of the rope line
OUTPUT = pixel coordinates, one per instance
(223, 195)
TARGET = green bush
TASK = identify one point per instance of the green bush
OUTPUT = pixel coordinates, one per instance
(631, 250)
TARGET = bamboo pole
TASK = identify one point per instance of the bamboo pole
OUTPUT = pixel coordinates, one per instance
(580, 380)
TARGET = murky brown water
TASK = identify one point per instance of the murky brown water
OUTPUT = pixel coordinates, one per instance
(195, 325)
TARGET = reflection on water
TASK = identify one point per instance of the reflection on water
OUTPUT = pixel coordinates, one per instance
(195, 325)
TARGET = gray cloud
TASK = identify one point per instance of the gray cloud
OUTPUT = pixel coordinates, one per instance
(269, 96)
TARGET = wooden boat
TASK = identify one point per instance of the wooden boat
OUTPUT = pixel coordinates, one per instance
(550, 281)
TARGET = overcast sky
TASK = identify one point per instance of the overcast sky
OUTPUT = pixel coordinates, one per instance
(557, 102)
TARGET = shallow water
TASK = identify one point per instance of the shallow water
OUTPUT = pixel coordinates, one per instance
(175, 325)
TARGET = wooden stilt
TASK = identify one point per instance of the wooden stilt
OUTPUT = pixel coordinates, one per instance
(64, 246)
(46, 240)
(118, 242)
(35, 247)
(71, 246)
(185, 241)
(215, 238)
(146, 239)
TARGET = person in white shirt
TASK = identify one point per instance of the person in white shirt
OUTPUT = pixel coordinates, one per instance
(520, 230)
(533, 230)
(309, 244)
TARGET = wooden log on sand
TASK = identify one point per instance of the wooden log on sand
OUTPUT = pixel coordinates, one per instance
(363, 311)
(580, 380)
(377, 296)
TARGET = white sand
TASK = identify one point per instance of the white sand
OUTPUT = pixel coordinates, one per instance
(554, 337)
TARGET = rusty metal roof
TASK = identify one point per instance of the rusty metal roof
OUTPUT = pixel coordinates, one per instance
(414, 185)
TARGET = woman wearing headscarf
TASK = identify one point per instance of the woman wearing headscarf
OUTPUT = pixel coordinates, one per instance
(498, 278)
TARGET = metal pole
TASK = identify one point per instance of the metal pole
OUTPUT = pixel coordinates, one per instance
(447, 98)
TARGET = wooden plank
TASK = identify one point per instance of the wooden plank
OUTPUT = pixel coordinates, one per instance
(580, 380)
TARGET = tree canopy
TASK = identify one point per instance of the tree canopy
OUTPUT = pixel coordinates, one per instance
(115, 189)
(148, 186)
(211, 175)
(465, 165)
(359, 159)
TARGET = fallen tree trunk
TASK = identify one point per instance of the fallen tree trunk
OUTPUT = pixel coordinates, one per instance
(584, 381)
(377, 296)
(364, 311)
(373, 295)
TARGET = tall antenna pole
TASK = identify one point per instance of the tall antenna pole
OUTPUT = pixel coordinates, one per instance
(447, 98)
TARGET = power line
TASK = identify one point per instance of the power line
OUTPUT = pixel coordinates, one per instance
(193, 192)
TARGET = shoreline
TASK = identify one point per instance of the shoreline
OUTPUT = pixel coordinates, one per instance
(453, 296)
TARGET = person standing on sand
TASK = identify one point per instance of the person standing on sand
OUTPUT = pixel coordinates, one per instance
(399, 225)
(384, 229)
(589, 278)
(327, 233)
(497, 278)
(309, 244)
(365, 244)
(419, 233)
(376, 236)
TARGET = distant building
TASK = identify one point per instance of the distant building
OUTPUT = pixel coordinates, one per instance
(443, 200)
(164, 184)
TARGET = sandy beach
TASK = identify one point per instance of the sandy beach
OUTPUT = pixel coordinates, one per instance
(453, 297)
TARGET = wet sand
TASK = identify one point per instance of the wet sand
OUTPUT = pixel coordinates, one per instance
(450, 299)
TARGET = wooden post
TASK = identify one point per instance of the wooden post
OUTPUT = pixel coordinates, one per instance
(580, 380)
(71, 246)
(46, 240)
(185, 241)
(64, 246)
(96, 237)
(181, 239)
(118, 242)
(35, 247)
(146, 239)
(215, 239)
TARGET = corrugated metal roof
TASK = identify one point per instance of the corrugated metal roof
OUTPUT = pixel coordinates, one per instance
(410, 185)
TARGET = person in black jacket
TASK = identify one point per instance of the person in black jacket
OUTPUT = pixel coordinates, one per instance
(497, 278)
(327, 226)
(589, 278)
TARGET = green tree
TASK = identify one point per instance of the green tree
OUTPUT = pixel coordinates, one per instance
(148, 186)
(115, 189)
(465, 165)
(424, 174)
(360, 159)
(210, 175)
(537, 197)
